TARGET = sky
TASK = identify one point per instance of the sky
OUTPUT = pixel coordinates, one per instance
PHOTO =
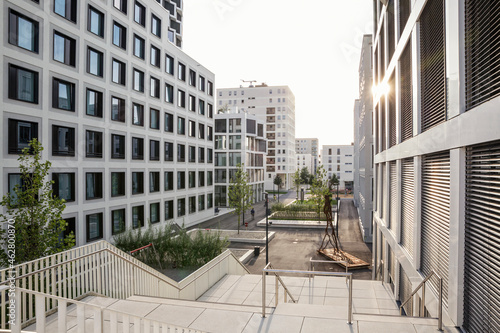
(312, 46)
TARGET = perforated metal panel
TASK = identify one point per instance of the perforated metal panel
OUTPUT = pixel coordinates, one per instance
(435, 201)
(391, 37)
(393, 196)
(406, 94)
(482, 59)
(482, 239)
(391, 97)
(407, 204)
(404, 13)
(405, 291)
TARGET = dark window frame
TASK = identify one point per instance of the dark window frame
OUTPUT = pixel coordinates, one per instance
(141, 20)
(157, 33)
(168, 151)
(122, 38)
(98, 102)
(70, 141)
(98, 145)
(154, 181)
(70, 12)
(14, 30)
(120, 154)
(139, 108)
(154, 150)
(87, 227)
(138, 185)
(140, 149)
(118, 190)
(55, 185)
(121, 115)
(100, 69)
(13, 84)
(98, 188)
(69, 49)
(101, 24)
(55, 94)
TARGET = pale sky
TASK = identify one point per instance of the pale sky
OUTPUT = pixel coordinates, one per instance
(312, 46)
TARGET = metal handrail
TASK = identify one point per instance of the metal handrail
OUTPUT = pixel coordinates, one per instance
(312, 261)
(378, 271)
(276, 271)
(422, 305)
(278, 278)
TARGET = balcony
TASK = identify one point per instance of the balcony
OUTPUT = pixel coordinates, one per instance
(271, 111)
(271, 136)
(270, 168)
(270, 119)
(271, 145)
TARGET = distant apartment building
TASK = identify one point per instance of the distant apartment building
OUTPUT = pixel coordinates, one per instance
(363, 142)
(305, 161)
(239, 139)
(276, 106)
(437, 151)
(124, 115)
(308, 146)
(338, 160)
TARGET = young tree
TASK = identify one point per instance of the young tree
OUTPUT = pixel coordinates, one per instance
(304, 175)
(34, 214)
(319, 188)
(240, 193)
(297, 181)
(278, 182)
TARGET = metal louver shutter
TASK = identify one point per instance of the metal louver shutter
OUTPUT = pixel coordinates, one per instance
(432, 64)
(392, 112)
(482, 42)
(404, 13)
(382, 188)
(382, 54)
(382, 124)
(391, 37)
(406, 94)
(482, 239)
(407, 204)
(393, 220)
(435, 201)
(405, 291)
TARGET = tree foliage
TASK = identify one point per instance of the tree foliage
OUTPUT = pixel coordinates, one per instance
(305, 176)
(240, 193)
(33, 213)
(278, 181)
(297, 181)
(320, 188)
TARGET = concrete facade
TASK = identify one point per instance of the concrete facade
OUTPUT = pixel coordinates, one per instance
(338, 160)
(308, 146)
(305, 161)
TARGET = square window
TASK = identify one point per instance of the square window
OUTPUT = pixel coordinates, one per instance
(138, 80)
(155, 56)
(93, 144)
(118, 72)
(63, 95)
(117, 146)
(64, 186)
(117, 221)
(66, 9)
(137, 149)
(140, 14)
(192, 205)
(169, 122)
(94, 62)
(154, 150)
(118, 109)
(169, 64)
(94, 226)
(155, 87)
(95, 22)
(155, 26)
(181, 153)
(181, 72)
(192, 154)
(169, 181)
(117, 184)
(192, 103)
(94, 103)
(169, 209)
(63, 141)
(181, 98)
(119, 35)
(137, 217)
(64, 49)
(137, 182)
(154, 182)
(139, 46)
(181, 207)
(192, 78)
(169, 151)
(169, 93)
(93, 185)
(201, 83)
(23, 84)
(23, 31)
(137, 114)
(181, 126)
(181, 180)
(154, 119)
(121, 5)
(154, 212)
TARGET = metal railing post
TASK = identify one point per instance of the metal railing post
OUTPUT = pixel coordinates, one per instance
(440, 309)
(349, 310)
(422, 305)
(276, 294)
(263, 294)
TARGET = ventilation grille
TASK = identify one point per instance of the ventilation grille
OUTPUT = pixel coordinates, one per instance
(482, 59)
(394, 196)
(391, 37)
(404, 13)
(392, 113)
(407, 204)
(432, 64)
(406, 94)
(435, 201)
(482, 239)
(383, 137)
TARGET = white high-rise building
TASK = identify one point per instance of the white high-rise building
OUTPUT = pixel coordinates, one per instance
(124, 115)
(308, 146)
(363, 142)
(338, 160)
(305, 161)
(437, 151)
(239, 139)
(275, 105)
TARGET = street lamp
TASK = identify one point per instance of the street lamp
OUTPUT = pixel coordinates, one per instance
(267, 227)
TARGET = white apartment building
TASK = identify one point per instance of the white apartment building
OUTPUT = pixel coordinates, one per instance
(338, 160)
(124, 115)
(437, 148)
(239, 139)
(363, 142)
(305, 161)
(308, 146)
(275, 105)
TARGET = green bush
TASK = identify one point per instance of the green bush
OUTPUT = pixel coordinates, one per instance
(181, 250)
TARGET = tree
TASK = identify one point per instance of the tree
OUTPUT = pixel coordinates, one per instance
(34, 214)
(304, 175)
(240, 193)
(278, 182)
(297, 181)
(333, 181)
(319, 188)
